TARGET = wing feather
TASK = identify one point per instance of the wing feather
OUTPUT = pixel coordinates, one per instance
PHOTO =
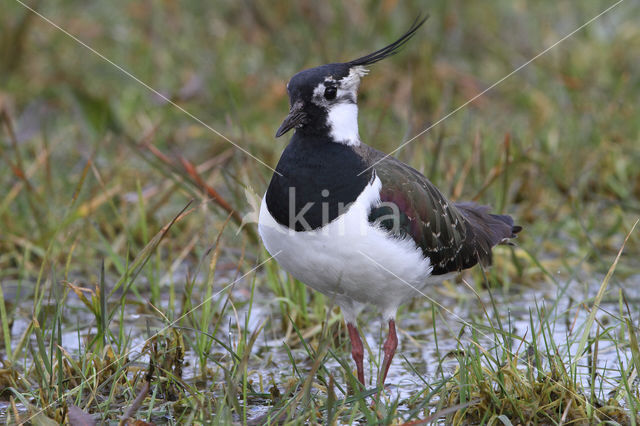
(453, 236)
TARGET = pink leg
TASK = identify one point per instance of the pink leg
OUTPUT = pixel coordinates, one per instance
(389, 348)
(357, 351)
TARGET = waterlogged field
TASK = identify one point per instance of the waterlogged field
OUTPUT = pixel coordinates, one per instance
(130, 290)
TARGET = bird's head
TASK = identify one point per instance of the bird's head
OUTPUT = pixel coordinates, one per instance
(323, 99)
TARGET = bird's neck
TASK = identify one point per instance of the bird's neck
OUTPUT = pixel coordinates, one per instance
(316, 181)
(342, 121)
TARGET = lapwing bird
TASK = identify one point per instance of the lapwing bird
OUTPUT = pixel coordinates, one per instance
(355, 224)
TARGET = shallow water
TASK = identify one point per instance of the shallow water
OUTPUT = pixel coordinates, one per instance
(417, 337)
(271, 363)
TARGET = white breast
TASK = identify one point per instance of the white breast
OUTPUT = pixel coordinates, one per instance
(349, 259)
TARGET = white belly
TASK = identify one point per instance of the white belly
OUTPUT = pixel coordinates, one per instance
(349, 259)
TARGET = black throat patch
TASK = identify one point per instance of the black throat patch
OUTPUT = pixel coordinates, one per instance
(319, 182)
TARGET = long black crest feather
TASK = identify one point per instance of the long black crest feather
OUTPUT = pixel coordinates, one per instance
(391, 49)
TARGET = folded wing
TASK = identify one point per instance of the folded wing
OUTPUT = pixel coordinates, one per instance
(454, 236)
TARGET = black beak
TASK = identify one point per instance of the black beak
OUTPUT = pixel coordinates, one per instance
(295, 118)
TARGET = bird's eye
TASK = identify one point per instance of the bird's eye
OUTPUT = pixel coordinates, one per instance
(330, 92)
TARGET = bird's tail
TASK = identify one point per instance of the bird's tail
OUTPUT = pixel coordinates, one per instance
(488, 229)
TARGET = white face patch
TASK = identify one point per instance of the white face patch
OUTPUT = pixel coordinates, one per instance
(354, 77)
(343, 122)
(342, 111)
